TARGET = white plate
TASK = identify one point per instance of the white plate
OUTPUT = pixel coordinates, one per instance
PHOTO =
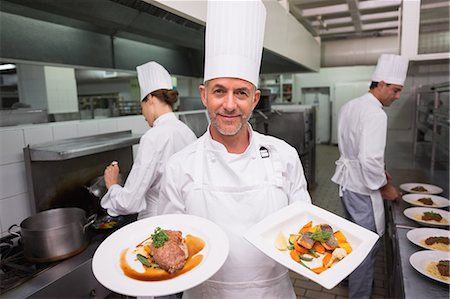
(438, 201)
(106, 264)
(431, 189)
(420, 260)
(420, 234)
(290, 219)
(412, 212)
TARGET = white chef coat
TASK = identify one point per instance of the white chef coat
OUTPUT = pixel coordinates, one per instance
(140, 192)
(362, 128)
(236, 191)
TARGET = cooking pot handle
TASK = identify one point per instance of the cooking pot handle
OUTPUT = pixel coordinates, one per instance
(90, 220)
(17, 234)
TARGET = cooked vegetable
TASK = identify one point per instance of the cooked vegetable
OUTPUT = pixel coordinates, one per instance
(340, 236)
(326, 260)
(303, 264)
(319, 248)
(295, 256)
(300, 249)
(318, 270)
(159, 237)
(306, 258)
(143, 260)
(346, 246)
(305, 228)
(293, 238)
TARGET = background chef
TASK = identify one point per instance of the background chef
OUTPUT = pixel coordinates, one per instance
(360, 170)
(167, 136)
(233, 175)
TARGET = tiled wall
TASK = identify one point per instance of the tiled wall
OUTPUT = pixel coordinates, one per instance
(14, 201)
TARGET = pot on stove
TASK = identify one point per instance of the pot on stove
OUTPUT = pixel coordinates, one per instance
(55, 234)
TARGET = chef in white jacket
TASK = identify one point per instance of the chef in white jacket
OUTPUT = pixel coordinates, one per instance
(233, 175)
(360, 171)
(166, 136)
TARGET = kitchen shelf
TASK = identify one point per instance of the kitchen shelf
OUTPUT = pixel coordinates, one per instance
(82, 146)
(432, 122)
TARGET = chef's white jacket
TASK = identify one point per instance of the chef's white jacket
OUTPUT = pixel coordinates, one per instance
(362, 128)
(140, 192)
(236, 191)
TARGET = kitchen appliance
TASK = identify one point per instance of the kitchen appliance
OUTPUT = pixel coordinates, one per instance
(56, 175)
(55, 234)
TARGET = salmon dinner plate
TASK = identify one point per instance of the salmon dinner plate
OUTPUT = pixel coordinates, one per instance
(313, 242)
(123, 264)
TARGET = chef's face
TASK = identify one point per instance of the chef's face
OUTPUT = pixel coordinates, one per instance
(147, 110)
(230, 102)
(389, 93)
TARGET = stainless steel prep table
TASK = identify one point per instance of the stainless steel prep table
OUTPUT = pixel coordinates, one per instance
(405, 281)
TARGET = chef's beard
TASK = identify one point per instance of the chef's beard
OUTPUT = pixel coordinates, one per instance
(229, 130)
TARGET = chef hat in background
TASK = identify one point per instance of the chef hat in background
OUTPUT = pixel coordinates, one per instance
(152, 76)
(391, 69)
(234, 39)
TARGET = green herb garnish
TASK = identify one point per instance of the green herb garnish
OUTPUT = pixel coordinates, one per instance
(143, 260)
(430, 213)
(303, 264)
(321, 236)
(159, 237)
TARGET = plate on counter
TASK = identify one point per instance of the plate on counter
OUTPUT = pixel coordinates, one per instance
(290, 219)
(436, 201)
(421, 188)
(419, 235)
(425, 262)
(416, 214)
(106, 263)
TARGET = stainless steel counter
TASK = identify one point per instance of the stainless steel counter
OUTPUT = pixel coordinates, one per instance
(405, 281)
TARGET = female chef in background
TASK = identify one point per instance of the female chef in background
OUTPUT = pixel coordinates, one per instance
(167, 136)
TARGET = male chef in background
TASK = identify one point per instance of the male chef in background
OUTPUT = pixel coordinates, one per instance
(360, 170)
(233, 175)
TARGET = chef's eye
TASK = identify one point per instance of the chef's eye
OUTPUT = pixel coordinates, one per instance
(219, 91)
(241, 94)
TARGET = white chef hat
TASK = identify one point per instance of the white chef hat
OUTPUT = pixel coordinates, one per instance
(234, 39)
(391, 69)
(152, 76)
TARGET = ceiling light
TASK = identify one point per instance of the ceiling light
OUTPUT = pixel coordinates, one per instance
(7, 66)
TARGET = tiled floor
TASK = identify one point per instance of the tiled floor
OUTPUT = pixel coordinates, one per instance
(325, 195)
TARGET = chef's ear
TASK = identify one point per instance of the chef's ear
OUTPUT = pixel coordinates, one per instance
(256, 98)
(202, 90)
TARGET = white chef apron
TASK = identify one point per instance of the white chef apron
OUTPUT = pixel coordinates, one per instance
(247, 272)
(342, 166)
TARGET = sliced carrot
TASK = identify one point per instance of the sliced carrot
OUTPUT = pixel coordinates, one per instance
(346, 246)
(294, 255)
(318, 270)
(312, 229)
(326, 260)
(300, 249)
(319, 247)
(305, 227)
(340, 237)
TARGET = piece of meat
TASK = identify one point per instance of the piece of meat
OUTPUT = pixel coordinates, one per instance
(428, 216)
(306, 240)
(173, 254)
(443, 267)
(426, 201)
(432, 240)
(331, 243)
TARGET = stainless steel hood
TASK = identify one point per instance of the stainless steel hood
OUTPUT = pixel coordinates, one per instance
(109, 34)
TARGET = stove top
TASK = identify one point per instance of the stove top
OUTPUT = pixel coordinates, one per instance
(15, 269)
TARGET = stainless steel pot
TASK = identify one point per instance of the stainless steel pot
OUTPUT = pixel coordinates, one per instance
(55, 234)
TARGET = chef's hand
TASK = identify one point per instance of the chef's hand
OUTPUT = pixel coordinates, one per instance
(389, 192)
(111, 174)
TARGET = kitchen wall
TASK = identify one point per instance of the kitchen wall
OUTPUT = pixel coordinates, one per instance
(14, 200)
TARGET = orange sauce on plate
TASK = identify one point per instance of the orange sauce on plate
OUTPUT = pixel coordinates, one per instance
(194, 245)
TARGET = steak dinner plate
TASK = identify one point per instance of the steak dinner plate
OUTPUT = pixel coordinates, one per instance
(437, 201)
(415, 214)
(419, 235)
(290, 219)
(421, 261)
(417, 188)
(106, 261)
